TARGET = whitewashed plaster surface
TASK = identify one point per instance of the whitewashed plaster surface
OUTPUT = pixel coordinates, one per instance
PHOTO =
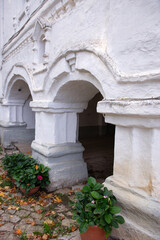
(63, 52)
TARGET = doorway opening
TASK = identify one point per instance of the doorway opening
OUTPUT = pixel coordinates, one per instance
(97, 137)
(21, 117)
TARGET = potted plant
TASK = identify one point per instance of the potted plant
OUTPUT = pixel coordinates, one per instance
(95, 211)
(26, 173)
(30, 179)
(15, 162)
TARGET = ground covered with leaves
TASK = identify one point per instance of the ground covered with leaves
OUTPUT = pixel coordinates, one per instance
(42, 216)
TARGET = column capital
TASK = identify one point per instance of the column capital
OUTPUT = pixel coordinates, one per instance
(131, 112)
(56, 107)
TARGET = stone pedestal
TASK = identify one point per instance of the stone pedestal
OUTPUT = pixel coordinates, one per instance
(65, 161)
(136, 179)
(56, 143)
(12, 133)
(141, 212)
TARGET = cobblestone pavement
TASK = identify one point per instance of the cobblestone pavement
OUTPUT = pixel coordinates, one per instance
(24, 217)
(43, 216)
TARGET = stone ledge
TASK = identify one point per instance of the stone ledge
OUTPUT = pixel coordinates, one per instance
(141, 212)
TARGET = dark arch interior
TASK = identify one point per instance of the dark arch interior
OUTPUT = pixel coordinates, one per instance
(97, 137)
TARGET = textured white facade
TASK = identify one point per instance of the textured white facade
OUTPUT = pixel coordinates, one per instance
(56, 55)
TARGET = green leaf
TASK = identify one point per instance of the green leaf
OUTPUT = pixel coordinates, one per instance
(102, 222)
(107, 192)
(115, 210)
(108, 230)
(96, 195)
(91, 224)
(90, 205)
(83, 227)
(80, 196)
(108, 218)
(114, 224)
(98, 211)
(91, 181)
(119, 219)
(106, 208)
(97, 186)
(86, 189)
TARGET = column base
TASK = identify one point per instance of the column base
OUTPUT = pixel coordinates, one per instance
(141, 212)
(15, 133)
(65, 161)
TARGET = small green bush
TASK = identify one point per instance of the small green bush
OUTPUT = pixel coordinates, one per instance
(96, 205)
(25, 170)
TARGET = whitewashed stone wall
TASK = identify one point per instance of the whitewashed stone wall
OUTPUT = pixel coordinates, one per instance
(62, 53)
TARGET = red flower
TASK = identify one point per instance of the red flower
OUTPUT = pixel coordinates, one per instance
(39, 177)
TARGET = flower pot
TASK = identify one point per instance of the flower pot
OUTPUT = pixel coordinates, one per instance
(93, 233)
(31, 192)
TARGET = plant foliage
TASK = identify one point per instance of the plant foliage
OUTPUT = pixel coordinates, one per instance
(25, 170)
(96, 205)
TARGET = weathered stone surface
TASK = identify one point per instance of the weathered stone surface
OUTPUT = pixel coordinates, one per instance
(37, 207)
(12, 237)
(8, 236)
(77, 188)
(27, 208)
(10, 211)
(1, 211)
(63, 191)
(138, 210)
(61, 208)
(69, 213)
(23, 213)
(36, 216)
(73, 236)
(8, 227)
(14, 218)
(5, 217)
(68, 222)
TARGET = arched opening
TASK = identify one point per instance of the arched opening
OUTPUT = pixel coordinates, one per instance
(96, 136)
(21, 117)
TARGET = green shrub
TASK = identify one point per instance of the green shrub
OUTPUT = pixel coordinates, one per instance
(96, 205)
(26, 171)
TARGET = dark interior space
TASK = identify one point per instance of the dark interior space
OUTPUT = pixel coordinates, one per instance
(97, 137)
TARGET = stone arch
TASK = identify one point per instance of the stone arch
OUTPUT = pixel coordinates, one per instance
(18, 72)
(80, 65)
(19, 118)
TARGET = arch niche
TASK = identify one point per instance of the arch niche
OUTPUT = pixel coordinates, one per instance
(19, 119)
(72, 81)
(83, 93)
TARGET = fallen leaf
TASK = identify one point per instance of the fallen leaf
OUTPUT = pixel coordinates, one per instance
(33, 223)
(57, 199)
(73, 228)
(48, 213)
(18, 231)
(29, 236)
(50, 222)
(2, 194)
(13, 207)
(39, 211)
(1, 224)
(50, 195)
(54, 235)
(45, 237)
(33, 205)
(2, 233)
